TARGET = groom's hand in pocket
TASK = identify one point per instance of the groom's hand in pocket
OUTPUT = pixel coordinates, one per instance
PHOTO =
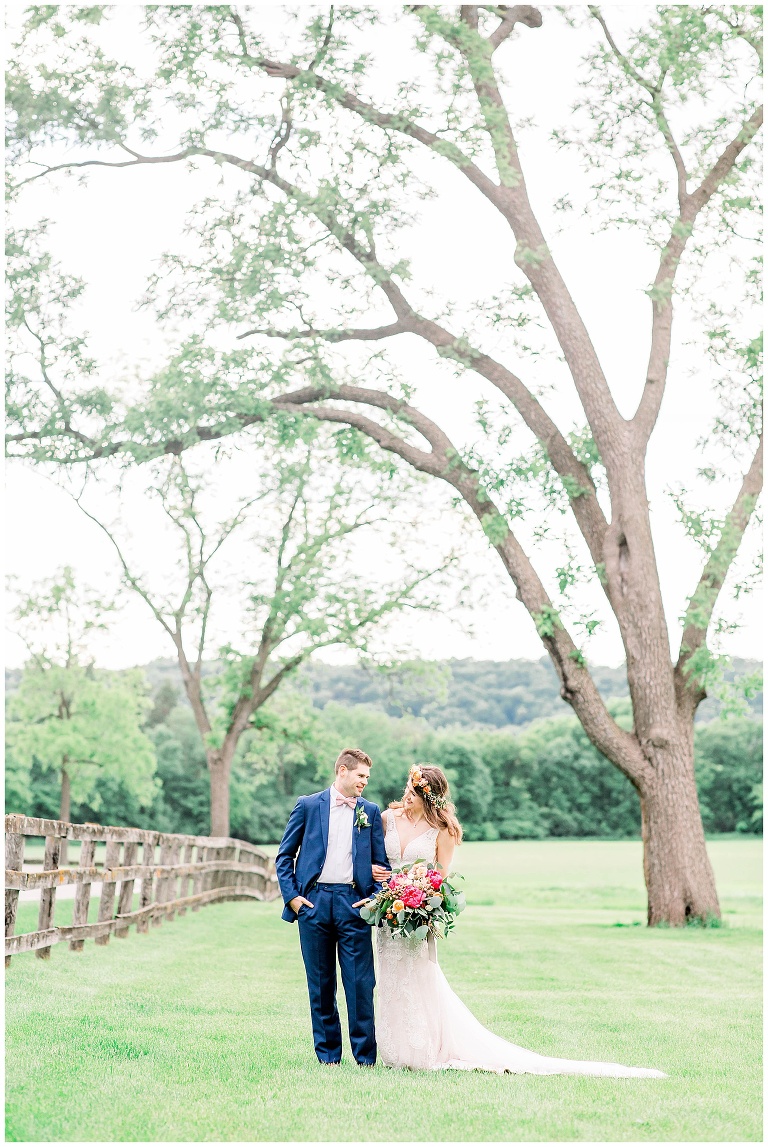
(297, 902)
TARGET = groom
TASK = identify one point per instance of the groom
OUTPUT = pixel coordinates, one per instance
(338, 836)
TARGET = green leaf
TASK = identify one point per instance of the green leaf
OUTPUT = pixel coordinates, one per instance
(546, 621)
(495, 528)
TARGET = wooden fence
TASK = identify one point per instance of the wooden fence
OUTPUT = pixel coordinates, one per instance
(171, 880)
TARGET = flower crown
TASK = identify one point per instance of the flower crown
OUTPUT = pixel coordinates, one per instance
(420, 782)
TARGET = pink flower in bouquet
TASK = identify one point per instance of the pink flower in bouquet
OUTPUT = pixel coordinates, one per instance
(413, 897)
(435, 879)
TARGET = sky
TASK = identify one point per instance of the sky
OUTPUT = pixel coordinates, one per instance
(111, 230)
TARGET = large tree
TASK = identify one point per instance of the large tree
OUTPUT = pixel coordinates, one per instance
(78, 722)
(308, 245)
(303, 583)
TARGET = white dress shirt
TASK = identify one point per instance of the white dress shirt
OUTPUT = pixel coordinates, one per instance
(338, 858)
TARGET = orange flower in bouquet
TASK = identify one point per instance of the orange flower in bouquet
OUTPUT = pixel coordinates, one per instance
(417, 901)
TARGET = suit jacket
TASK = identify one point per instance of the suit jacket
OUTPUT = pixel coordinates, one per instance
(307, 834)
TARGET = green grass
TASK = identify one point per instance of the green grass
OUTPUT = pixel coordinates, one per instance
(200, 1031)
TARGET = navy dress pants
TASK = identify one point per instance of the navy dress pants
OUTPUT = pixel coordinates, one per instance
(332, 926)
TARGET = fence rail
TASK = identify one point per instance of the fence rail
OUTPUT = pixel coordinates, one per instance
(223, 869)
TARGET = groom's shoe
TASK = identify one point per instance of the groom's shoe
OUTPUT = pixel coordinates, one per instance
(362, 1063)
(329, 1062)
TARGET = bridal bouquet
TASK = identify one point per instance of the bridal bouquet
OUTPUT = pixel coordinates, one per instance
(416, 901)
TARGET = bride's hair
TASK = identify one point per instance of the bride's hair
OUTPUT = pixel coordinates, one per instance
(431, 784)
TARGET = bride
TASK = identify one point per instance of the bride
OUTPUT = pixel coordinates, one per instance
(421, 1022)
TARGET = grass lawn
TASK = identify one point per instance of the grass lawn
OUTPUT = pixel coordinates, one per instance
(200, 1030)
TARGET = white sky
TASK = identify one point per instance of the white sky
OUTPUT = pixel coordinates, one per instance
(112, 229)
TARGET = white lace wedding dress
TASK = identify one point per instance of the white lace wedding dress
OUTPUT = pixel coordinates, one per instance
(422, 1023)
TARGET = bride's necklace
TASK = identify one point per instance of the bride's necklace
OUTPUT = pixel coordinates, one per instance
(411, 820)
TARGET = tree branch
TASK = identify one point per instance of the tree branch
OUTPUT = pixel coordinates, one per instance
(702, 603)
(425, 461)
(362, 334)
(132, 580)
(725, 162)
(654, 90)
(578, 481)
(738, 30)
(190, 678)
(518, 14)
(647, 411)
(389, 121)
(176, 158)
(532, 254)
(438, 440)
(577, 686)
(576, 477)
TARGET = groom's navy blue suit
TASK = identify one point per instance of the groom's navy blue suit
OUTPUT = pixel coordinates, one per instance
(332, 923)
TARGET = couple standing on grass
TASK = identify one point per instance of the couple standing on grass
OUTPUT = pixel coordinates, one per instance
(336, 850)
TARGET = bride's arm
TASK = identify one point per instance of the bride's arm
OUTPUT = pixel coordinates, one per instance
(446, 846)
(378, 871)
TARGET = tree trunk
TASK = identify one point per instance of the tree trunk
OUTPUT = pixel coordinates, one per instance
(219, 768)
(678, 874)
(64, 810)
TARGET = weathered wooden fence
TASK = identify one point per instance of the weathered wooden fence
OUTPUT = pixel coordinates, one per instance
(188, 871)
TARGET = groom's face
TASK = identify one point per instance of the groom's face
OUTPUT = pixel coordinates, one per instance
(351, 782)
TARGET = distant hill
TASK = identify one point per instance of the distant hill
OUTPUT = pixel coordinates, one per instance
(466, 692)
(490, 694)
(476, 693)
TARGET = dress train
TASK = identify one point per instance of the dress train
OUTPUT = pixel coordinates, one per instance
(420, 1021)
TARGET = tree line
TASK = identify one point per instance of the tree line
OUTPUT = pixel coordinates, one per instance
(469, 692)
(542, 780)
(489, 693)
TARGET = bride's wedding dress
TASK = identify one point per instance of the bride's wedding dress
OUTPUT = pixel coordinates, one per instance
(422, 1023)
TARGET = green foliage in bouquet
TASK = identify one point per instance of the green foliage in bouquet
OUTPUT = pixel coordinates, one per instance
(416, 901)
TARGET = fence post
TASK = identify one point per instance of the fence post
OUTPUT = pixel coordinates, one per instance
(237, 877)
(185, 882)
(228, 856)
(161, 892)
(209, 853)
(125, 900)
(14, 859)
(209, 878)
(107, 902)
(258, 882)
(255, 880)
(172, 884)
(199, 877)
(48, 895)
(83, 892)
(147, 882)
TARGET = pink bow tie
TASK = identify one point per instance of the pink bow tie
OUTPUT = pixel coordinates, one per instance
(345, 800)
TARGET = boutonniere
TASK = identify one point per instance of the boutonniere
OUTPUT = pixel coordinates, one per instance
(361, 818)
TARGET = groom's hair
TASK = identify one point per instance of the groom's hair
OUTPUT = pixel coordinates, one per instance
(351, 758)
